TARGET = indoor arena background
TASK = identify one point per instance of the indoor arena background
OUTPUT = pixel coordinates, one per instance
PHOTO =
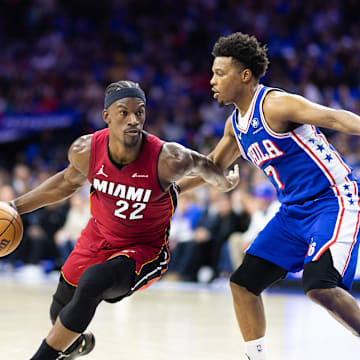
(56, 58)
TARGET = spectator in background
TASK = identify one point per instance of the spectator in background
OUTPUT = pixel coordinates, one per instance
(6, 193)
(37, 252)
(181, 237)
(210, 238)
(42, 252)
(76, 219)
(262, 205)
(21, 179)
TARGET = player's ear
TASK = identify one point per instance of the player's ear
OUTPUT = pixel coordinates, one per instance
(246, 75)
(106, 116)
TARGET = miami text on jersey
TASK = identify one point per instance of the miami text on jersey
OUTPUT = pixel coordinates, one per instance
(122, 191)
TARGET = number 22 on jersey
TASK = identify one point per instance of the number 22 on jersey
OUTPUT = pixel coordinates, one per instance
(124, 206)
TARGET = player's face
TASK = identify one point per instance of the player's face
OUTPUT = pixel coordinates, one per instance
(125, 119)
(226, 80)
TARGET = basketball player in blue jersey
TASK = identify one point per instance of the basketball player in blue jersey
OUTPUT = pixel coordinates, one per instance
(317, 226)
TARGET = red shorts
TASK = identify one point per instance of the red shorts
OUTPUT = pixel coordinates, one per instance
(92, 248)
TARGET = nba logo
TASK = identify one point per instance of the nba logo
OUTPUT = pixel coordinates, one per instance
(255, 123)
(259, 348)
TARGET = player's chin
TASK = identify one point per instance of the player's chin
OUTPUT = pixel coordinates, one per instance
(132, 141)
(222, 102)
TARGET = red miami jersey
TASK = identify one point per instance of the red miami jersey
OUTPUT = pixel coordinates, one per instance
(127, 201)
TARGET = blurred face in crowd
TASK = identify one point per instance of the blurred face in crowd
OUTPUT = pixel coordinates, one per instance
(224, 204)
(77, 201)
(6, 193)
(22, 172)
(125, 119)
(228, 80)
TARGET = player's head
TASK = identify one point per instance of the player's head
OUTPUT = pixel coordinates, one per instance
(239, 60)
(124, 111)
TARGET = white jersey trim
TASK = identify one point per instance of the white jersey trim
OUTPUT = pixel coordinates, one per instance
(243, 154)
(266, 125)
(316, 146)
(346, 228)
(321, 136)
(249, 113)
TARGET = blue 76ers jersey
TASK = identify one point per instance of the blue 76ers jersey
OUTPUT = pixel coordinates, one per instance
(301, 164)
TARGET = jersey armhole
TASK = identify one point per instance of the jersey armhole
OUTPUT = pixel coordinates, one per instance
(157, 173)
(263, 120)
(92, 159)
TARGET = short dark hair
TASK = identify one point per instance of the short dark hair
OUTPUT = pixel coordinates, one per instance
(244, 49)
(117, 85)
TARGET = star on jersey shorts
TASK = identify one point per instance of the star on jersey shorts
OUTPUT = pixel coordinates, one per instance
(92, 248)
(300, 233)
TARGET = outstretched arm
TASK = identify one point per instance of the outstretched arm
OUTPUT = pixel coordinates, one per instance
(64, 183)
(176, 161)
(281, 108)
(224, 154)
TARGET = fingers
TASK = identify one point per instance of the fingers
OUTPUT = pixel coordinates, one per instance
(235, 172)
(236, 169)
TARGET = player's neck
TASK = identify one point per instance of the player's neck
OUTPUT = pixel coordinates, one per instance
(245, 97)
(122, 154)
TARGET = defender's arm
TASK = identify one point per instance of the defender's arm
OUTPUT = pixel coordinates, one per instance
(281, 108)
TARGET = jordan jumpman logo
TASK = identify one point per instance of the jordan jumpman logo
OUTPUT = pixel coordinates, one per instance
(101, 172)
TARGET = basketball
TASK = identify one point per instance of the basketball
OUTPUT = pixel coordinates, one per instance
(11, 229)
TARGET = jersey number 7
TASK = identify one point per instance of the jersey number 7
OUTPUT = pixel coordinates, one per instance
(271, 171)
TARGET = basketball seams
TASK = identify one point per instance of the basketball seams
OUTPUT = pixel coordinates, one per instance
(12, 213)
(10, 223)
(13, 244)
(18, 221)
(14, 227)
(13, 238)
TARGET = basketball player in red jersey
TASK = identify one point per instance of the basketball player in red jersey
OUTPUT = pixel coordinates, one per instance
(133, 197)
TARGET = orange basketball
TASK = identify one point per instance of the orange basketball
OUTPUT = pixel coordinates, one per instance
(11, 229)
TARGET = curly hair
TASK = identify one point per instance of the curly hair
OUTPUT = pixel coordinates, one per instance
(244, 49)
(122, 84)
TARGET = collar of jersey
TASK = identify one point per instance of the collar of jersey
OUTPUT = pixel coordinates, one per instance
(246, 119)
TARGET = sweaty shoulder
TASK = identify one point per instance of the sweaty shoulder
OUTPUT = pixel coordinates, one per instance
(79, 153)
(277, 108)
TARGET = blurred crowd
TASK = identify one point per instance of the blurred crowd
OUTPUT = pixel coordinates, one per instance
(58, 56)
(50, 233)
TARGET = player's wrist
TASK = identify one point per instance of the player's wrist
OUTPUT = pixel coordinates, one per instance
(177, 188)
(12, 204)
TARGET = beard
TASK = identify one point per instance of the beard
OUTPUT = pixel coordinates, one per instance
(132, 141)
(221, 103)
